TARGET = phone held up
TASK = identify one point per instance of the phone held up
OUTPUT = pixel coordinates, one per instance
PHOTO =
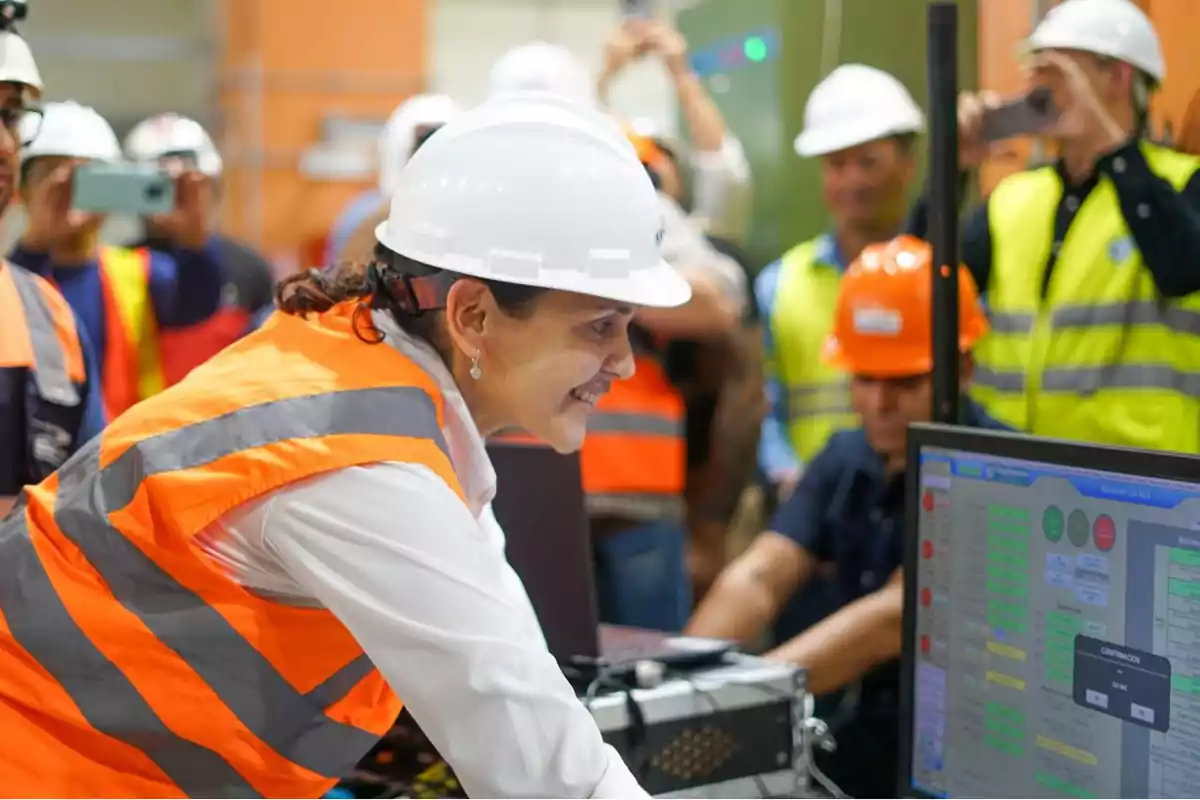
(637, 9)
(1031, 113)
(130, 190)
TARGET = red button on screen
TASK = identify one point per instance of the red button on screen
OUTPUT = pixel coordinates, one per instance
(1104, 531)
(926, 597)
(927, 549)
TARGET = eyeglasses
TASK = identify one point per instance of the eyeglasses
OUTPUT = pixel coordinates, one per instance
(24, 122)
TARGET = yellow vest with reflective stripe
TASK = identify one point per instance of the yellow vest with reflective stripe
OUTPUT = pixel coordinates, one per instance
(1103, 358)
(818, 397)
(128, 276)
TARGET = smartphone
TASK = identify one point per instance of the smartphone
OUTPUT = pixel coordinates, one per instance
(1031, 113)
(636, 9)
(134, 190)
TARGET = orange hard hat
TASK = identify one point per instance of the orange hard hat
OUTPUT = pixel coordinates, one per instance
(882, 325)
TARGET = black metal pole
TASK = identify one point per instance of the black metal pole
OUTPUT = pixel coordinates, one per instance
(942, 64)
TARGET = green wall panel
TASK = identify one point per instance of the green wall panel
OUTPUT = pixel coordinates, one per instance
(763, 101)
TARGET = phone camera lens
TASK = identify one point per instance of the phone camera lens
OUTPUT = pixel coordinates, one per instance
(154, 192)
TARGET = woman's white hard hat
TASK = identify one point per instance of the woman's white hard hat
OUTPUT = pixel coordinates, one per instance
(74, 131)
(853, 105)
(170, 133)
(533, 189)
(399, 135)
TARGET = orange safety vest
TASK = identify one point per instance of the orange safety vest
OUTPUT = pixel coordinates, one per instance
(39, 337)
(184, 349)
(131, 365)
(131, 665)
(634, 459)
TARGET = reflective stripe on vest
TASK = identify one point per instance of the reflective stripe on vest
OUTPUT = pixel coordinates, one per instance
(634, 457)
(818, 397)
(50, 344)
(152, 646)
(40, 344)
(1103, 358)
(131, 363)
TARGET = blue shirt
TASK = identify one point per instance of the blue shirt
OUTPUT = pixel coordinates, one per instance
(185, 287)
(355, 214)
(776, 455)
(847, 511)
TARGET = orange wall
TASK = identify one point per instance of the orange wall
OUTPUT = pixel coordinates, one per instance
(285, 65)
(1003, 24)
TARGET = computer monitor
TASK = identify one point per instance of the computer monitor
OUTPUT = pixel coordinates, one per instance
(1052, 619)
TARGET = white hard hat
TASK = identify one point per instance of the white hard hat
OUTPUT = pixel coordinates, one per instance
(542, 67)
(172, 134)
(399, 136)
(1111, 28)
(16, 62)
(856, 104)
(537, 190)
(75, 131)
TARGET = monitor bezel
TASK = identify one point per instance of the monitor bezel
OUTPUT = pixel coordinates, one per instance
(1002, 444)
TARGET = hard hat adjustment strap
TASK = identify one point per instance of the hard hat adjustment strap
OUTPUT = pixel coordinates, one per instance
(411, 294)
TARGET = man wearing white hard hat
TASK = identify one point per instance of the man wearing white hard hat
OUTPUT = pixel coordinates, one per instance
(231, 592)
(124, 296)
(176, 143)
(49, 382)
(861, 123)
(1089, 264)
(413, 121)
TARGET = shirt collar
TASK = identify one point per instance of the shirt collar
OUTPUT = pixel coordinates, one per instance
(827, 252)
(468, 452)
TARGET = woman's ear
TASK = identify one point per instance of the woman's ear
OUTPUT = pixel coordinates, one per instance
(468, 304)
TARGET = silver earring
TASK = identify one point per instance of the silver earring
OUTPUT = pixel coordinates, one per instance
(476, 372)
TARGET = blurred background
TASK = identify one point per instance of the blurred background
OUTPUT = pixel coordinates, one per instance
(295, 91)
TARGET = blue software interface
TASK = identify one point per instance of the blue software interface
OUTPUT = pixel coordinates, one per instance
(1058, 632)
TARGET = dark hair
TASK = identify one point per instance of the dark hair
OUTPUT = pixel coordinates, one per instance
(400, 285)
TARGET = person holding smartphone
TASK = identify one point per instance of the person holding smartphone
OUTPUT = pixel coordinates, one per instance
(1089, 263)
(49, 385)
(124, 296)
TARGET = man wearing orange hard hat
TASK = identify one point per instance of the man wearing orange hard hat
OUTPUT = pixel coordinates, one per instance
(848, 510)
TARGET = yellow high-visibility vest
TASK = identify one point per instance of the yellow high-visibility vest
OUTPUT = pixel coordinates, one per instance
(818, 396)
(1103, 358)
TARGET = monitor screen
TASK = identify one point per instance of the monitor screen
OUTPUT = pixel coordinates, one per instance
(1056, 644)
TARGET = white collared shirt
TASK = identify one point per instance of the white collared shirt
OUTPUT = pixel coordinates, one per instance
(421, 581)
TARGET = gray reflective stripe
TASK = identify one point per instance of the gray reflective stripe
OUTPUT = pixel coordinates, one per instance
(1122, 376)
(1006, 381)
(818, 399)
(1010, 321)
(820, 411)
(1140, 312)
(635, 506)
(637, 424)
(49, 361)
(41, 624)
(1085, 380)
(265, 703)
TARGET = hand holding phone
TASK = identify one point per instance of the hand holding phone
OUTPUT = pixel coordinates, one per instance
(127, 189)
(1028, 114)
